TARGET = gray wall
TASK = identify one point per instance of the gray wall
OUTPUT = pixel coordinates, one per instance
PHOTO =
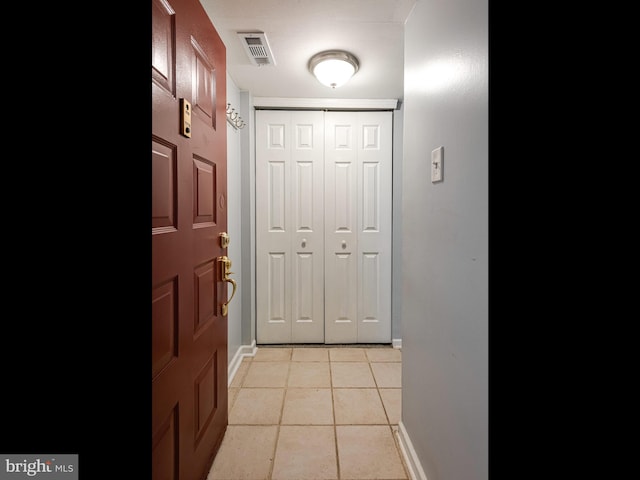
(445, 239)
(234, 212)
(241, 220)
(248, 186)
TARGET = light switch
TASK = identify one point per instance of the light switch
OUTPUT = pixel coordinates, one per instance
(437, 157)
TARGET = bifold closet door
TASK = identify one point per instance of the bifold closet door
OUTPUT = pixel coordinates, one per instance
(289, 227)
(358, 196)
(323, 227)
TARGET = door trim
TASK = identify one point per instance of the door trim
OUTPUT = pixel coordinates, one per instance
(325, 103)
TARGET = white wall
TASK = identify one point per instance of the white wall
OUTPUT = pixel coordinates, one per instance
(445, 239)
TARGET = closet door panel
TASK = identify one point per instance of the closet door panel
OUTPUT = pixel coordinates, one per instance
(374, 227)
(273, 228)
(341, 227)
(289, 227)
(307, 242)
(341, 290)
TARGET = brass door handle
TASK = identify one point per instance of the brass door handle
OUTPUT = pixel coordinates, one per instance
(225, 265)
(225, 306)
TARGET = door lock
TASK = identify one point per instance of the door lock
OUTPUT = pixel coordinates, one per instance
(224, 239)
(185, 117)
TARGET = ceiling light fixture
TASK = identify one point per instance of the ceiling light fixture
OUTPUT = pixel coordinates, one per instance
(333, 67)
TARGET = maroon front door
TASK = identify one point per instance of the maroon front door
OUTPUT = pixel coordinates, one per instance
(189, 177)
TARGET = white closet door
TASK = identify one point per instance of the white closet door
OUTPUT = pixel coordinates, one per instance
(289, 227)
(358, 169)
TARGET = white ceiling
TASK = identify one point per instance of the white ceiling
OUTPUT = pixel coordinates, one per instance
(372, 30)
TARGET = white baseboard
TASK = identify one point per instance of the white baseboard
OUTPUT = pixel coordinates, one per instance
(243, 351)
(412, 461)
(396, 342)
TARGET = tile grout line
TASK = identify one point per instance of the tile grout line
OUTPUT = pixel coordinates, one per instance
(393, 435)
(333, 411)
(378, 391)
(279, 424)
(375, 381)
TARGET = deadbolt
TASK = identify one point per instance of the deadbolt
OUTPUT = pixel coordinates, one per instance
(185, 117)
(224, 239)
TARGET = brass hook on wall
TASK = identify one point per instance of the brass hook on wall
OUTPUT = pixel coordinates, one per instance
(233, 118)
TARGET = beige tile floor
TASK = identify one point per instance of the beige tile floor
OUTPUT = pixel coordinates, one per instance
(314, 413)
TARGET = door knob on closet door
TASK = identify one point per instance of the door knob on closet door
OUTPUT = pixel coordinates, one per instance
(344, 244)
(304, 242)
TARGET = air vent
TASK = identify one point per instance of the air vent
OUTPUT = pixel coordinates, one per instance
(257, 48)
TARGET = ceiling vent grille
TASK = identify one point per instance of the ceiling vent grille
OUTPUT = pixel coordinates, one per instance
(257, 48)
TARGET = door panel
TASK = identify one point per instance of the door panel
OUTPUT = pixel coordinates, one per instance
(341, 198)
(340, 294)
(189, 332)
(308, 198)
(273, 227)
(289, 190)
(358, 159)
(375, 223)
